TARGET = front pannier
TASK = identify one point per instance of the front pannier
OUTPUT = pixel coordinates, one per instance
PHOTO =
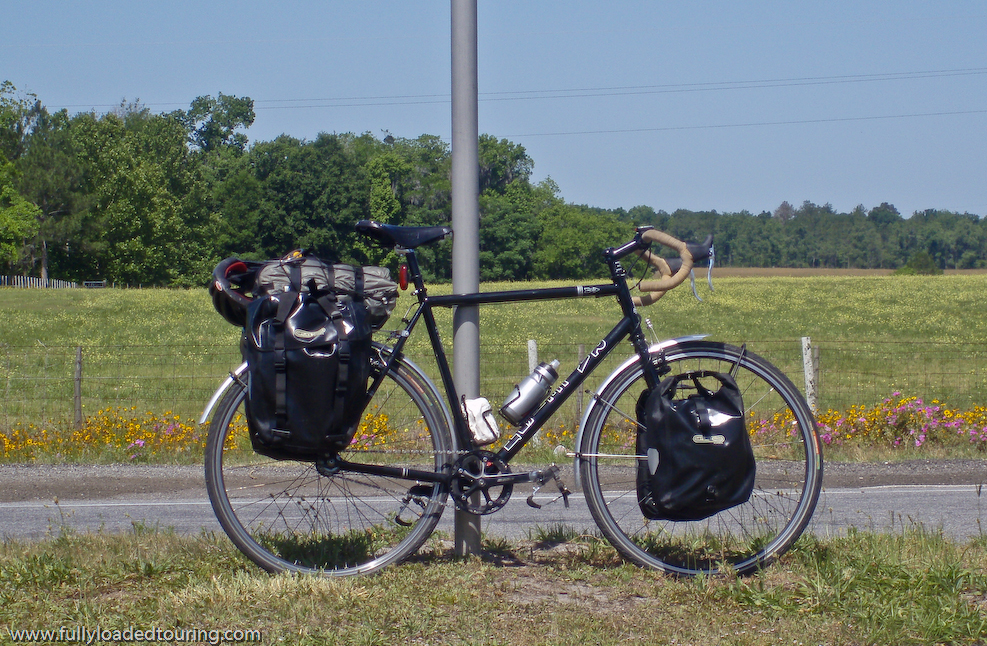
(699, 459)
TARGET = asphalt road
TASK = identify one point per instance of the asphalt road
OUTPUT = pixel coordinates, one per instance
(42, 500)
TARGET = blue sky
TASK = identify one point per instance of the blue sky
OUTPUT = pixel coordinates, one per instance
(698, 105)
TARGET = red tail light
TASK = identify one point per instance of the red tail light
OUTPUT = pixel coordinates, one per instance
(403, 276)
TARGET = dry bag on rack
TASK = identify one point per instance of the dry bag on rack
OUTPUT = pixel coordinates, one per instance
(307, 349)
(699, 456)
(371, 285)
(236, 282)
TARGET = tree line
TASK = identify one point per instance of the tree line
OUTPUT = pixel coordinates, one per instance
(136, 197)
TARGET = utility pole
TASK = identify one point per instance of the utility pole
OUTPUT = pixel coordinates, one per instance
(466, 228)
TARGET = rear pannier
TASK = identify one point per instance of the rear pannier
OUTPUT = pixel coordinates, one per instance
(307, 329)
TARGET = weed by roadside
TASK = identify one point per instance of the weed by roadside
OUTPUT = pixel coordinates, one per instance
(911, 587)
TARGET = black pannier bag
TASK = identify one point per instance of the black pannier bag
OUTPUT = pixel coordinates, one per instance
(699, 456)
(307, 345)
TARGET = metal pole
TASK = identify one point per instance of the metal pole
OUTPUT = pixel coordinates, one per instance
(466, 227)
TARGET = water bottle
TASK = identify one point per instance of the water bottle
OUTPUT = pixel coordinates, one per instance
(530, 392)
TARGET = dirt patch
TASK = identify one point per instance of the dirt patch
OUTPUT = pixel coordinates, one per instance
(794, 272)
(801, 272)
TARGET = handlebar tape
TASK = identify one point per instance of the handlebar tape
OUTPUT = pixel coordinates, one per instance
(670, 276)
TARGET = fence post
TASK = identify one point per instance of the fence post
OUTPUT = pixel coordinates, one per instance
(78, 387)
(532, 355)
(808, 365)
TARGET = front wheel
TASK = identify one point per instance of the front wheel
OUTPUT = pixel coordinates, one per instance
(746, 537)
(293, 516)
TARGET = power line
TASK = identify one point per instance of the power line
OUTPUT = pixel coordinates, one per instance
(588, 92)
(527, 95)
(751, 124)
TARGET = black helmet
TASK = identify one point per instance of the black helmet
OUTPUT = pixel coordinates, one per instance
(231, 280)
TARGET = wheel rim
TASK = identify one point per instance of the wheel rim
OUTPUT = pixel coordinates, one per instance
(290, 516)
(746, 536)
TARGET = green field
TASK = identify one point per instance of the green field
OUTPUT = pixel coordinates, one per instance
(164, 351)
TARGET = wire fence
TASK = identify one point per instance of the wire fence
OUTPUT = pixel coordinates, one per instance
(64, 384)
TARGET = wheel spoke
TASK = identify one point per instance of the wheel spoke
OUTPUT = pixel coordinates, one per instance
(289, 515)
(745, 536)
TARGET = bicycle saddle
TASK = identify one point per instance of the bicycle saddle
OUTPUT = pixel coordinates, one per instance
(392, 235)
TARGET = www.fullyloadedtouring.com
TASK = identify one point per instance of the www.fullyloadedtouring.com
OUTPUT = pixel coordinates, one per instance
(86, 635)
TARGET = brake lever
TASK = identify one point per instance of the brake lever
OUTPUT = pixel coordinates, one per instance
(692, 283)
(709, 272)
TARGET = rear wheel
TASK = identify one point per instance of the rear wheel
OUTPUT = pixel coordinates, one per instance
(746, 537)
(296, 516)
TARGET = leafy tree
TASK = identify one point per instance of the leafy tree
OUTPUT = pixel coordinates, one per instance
(18, 217)
(310, 196)
(14, 120)
(216, 123)
(425, 192)
(157, 199)
(502, 163)
(145, 224)
(572, 240)
(233, 195)
(645, 216)
(508, 233)
(884, 216)
(427, 186)
(385, 172)
(921, 263)
(51, 178)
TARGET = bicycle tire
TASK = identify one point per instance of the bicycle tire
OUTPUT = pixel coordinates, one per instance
(287, 516)
(745, 538)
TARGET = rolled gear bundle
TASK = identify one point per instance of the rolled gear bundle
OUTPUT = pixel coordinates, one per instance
(235, 283)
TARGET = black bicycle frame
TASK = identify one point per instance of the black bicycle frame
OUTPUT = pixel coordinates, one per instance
(629, 325)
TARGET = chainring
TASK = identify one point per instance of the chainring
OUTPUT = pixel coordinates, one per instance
(475, 486)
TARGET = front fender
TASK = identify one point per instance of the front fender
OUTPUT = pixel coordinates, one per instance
(595, 397)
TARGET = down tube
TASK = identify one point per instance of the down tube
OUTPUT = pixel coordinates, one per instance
(534, 422)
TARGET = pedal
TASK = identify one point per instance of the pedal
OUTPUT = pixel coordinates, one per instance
(416, 495)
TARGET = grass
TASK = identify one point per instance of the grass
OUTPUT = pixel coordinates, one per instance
(752, 309)
(161, 353)
(559, 586)
(912, 587)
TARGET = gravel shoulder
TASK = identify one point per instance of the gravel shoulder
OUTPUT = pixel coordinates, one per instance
(911, 472)
(45, 482)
